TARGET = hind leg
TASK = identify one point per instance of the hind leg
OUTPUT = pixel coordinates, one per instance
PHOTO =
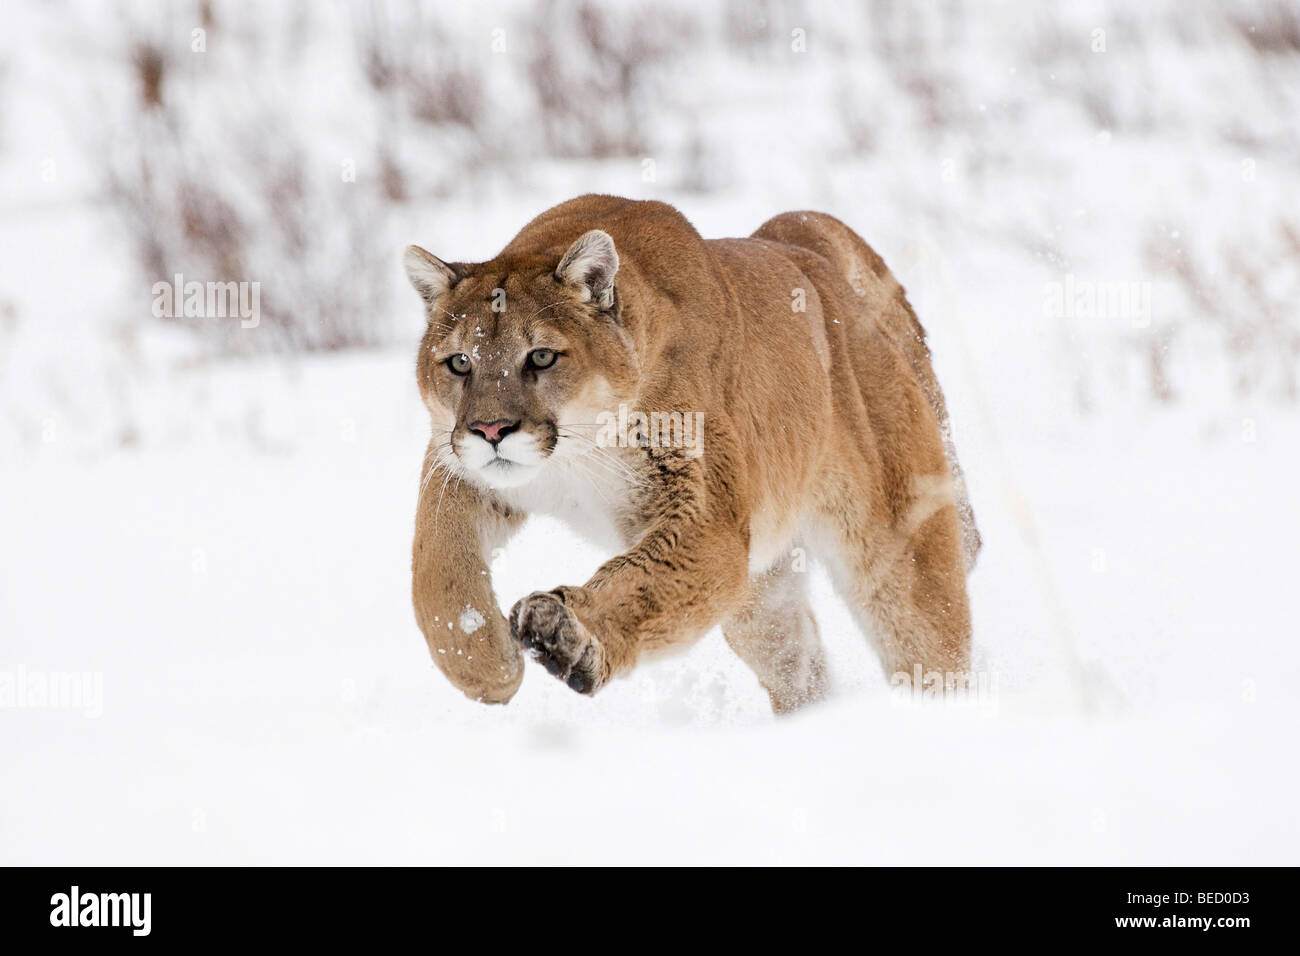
(906, 584)
(776, 635)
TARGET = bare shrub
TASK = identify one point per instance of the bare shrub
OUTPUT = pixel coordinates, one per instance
(413, 59)
(595, 95)
(754, 27)
(231, 191)
(1246, 290)
(915, 44)
(1269, 27)
(150, 64)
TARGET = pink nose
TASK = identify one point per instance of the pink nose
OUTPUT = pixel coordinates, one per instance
(494, 431)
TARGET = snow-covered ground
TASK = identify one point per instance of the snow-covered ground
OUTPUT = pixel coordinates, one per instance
(267, 697)
(216, 550)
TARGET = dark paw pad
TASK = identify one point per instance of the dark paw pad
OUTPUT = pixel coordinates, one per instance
(547, 629)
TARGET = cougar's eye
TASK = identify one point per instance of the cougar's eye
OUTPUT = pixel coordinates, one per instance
(541, 358)
(459, 363)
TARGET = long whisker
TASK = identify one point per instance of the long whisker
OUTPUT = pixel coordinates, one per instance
(434, 468)
(437, 509)
(603, 456)
(593, 444)
(581, 465)
(601, 467)
(437, 458)
(545, 307)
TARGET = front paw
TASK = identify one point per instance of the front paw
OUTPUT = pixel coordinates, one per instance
(544, 625)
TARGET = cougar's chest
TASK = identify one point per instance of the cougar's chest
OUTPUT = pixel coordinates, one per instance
(586, 495)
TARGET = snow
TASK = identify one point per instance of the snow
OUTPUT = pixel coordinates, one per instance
(267, 697)
(220, 547)
(471, 620)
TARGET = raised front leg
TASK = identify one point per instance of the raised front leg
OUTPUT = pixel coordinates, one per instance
(456, 529)
(686, 574)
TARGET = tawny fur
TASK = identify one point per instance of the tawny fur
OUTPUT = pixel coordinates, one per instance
(824, 428)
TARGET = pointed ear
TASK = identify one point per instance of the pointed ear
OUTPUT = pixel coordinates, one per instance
(430, 275)
(590, 264)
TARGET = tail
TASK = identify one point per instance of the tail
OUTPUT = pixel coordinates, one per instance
(910, 337)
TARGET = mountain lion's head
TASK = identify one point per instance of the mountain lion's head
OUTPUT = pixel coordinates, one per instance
(520, 356)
